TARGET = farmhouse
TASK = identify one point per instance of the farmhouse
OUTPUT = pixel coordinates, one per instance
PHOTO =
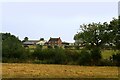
(51, 43)
(55, 41)
(41, 42)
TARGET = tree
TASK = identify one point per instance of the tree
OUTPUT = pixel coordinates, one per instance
(41, 39)
(93, 35)
(25, 39)
(98, 35)
(113, 31)
(12, 47)
(96, 56)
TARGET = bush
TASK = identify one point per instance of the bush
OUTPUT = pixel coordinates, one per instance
(56, 46)
(84, 58)
(12, 49)
(116, 59)
(38, 54)
(55, 56)
(105, 62)
(96, 56)
(71, 56)
(77, 47)
(59, 57)
(50, 47)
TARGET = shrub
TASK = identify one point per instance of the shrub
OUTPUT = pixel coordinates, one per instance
(77, 47)
(96, 56)
(105, 62)
(84, 57)
(60, 56)
(72, 56)
(12, 49)
(116, 59)
(56, 46)
(55, 56)
(50, 47)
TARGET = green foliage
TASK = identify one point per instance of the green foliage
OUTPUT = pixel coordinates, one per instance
(41, 39)
(71, 56)
(77, 47)
(94, 36)
(115, 31)
(116, 58)
(56, 46)
(85, 57)
(98, 35)
(12, 47)
(50, 47)
(59, 56)
(105, 62)
(25, 39)
(56, 56)
(96, 55)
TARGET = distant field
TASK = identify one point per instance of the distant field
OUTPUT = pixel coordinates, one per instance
(21, 70)
(107, 53)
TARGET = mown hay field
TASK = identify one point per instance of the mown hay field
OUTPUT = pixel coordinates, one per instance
(22, 70)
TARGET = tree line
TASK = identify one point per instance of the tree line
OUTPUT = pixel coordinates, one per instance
(94, 37)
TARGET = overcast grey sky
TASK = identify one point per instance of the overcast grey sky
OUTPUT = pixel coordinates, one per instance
(53, 19)
(119, 8)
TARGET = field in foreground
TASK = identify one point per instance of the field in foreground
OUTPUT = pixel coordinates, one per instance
(21, 70)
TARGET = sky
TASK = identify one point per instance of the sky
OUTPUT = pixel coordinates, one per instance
(119, 8)
(53, 19)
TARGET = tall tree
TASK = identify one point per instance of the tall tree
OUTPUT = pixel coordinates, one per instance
(25, 39)
(114, 28)
(93, 34)
(98, 35)
(11, 46)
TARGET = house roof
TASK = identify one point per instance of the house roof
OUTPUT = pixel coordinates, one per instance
(33, 40)
(30, 42)
(54, 39)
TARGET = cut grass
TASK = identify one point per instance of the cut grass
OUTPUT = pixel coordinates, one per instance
(21, 70)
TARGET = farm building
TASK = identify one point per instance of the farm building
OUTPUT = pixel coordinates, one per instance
(55, 41)
(30, 43)
(41, 42)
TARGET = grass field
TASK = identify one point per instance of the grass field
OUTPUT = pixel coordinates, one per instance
(21, 70)
(107, 53)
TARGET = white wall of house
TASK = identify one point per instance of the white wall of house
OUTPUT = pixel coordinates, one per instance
(41, 42)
